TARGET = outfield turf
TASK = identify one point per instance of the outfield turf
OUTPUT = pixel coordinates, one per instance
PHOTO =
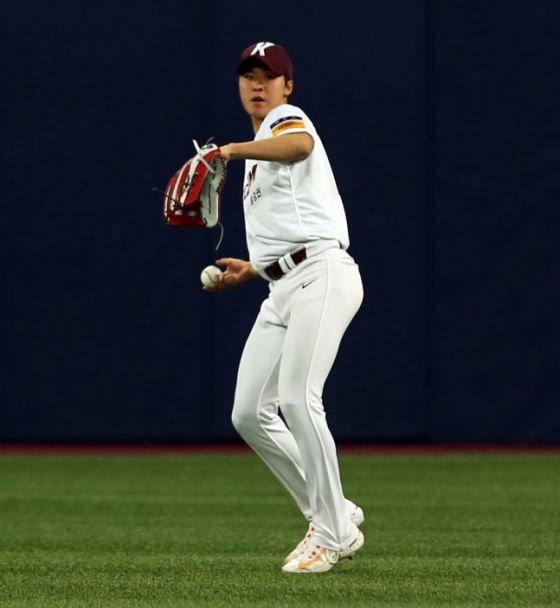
(212, 530)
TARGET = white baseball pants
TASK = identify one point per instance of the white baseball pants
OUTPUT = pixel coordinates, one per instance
(284, 365)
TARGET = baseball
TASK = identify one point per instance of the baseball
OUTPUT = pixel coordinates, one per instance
(209, 275)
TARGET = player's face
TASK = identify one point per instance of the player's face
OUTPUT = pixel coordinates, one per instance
(262, 91)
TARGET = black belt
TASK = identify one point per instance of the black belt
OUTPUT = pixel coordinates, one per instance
(275, 272)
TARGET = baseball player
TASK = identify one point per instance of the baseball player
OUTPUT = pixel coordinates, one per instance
(297, 239)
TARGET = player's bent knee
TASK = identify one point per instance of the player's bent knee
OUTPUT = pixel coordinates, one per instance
(244, 421)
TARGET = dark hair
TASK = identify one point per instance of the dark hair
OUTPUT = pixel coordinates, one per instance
(254, 62)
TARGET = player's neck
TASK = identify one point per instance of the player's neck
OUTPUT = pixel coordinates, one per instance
(257, 122)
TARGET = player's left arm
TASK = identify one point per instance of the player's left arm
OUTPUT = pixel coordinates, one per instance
(284, 149)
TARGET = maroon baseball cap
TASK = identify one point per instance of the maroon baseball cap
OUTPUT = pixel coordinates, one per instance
(273, 56)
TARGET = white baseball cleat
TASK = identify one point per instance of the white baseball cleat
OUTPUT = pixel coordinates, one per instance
(318, 559)
(357, 517)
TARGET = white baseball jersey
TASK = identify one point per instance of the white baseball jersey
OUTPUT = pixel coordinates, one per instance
(290, 204)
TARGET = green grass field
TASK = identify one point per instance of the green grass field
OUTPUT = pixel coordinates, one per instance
(212, 530)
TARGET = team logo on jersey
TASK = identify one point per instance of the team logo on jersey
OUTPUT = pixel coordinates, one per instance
(286, 123)
(249, 181)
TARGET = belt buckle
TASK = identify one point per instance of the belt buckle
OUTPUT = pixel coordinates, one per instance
(274, 271)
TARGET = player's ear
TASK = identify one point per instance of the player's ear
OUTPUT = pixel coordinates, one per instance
(288, 87)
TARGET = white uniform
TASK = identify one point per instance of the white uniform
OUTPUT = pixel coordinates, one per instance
(296, 336)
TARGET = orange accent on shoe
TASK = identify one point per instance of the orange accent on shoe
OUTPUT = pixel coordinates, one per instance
(308, 564)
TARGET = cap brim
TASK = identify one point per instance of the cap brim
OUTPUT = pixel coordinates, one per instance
(250, 62)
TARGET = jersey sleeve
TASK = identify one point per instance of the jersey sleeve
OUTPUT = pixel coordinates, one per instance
(289, 119)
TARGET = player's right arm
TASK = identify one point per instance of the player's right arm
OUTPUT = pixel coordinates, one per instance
(236, 272)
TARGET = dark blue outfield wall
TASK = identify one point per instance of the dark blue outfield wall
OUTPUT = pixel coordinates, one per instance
(442, 124)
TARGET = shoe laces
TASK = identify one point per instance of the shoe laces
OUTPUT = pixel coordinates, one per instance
(312, 550)
(308, 536)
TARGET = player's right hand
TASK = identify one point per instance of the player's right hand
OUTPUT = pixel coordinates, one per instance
(236, 272)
